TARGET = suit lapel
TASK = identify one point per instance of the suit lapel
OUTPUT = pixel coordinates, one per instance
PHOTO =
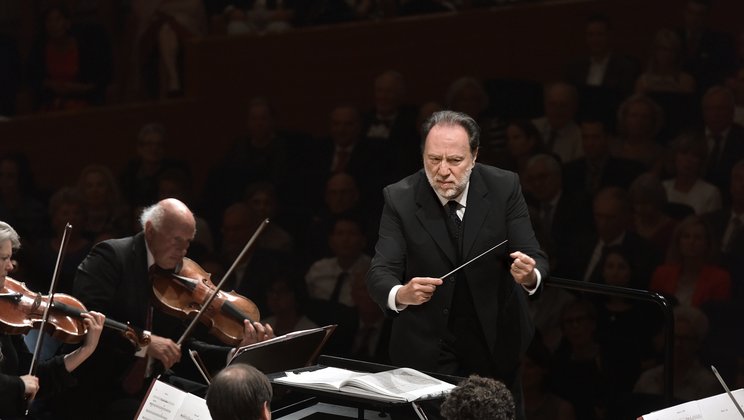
(430, 215)
(476, 211)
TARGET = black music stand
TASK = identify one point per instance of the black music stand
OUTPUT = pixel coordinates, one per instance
(360, 403)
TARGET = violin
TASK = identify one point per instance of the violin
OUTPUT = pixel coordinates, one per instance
(21, 310)
(183, 293)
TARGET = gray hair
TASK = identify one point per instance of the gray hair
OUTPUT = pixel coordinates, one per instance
(453, 118)
(7, 233)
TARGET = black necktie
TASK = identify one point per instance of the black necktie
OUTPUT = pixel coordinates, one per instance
(713, 159)
(337, 288)
(454, 218)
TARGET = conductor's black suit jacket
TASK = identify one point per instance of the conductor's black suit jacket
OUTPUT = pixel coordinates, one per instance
(414, 242)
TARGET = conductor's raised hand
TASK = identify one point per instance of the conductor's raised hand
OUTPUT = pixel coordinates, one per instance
(165, 350)
(523, 269)
(417, 291)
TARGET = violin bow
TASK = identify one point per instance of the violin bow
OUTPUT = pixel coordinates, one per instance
(227, 274)
(52, 286)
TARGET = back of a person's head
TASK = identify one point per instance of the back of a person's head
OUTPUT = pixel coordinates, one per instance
(478, 398)
(239, 392)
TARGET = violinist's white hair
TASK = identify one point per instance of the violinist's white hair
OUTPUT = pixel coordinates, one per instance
(7, 233)
(153, 214)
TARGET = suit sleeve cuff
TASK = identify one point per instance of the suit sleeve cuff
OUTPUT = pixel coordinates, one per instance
(532, 290)
(391, 299)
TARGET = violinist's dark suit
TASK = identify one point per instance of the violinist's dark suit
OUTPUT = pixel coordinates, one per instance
(414, 242)
(113, 279)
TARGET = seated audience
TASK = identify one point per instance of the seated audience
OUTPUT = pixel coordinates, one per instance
(690, 274)
(692, 380)
(664, 71)
(558, 127)
(640, 121)
(687, 186)
(70, 65)
(650, 220)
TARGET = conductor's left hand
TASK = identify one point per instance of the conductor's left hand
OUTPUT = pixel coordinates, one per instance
(523, 269)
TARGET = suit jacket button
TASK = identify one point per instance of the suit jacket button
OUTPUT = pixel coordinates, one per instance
(445, 311)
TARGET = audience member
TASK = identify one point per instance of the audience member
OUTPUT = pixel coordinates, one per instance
(70, 65)
(254, 271)
(161, 29)
(664, 71)
(724, 137)
(286, 300)
(468, 95)
(602, 67)
(640, 121)
(523, 141)
(690, 274)
(372, 335)
(692, 380)
(341, 196)
(540, 403)
(687, 186)
(727, 225)
(391, 124)
(560, 212)
(139, 179)
(650, 221)
(240, 392)
(579, 258)
(625, 327)
(261, 155)
(107, 215)
(708, 54)
(558, 128)
(579, 369)
(330, 278)
(598, 168)
(262, 199)
(477, 398)
(348, 151)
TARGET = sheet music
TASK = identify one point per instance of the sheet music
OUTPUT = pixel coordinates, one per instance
(166, 402)
(717, 407)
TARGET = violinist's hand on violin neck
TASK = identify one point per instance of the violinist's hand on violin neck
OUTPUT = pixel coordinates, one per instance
(255, 332)
(31, 384)
(164, 350)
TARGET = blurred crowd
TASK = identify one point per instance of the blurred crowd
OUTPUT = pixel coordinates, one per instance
(633, 169)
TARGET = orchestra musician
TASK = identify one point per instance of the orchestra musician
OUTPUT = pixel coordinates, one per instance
(114, 279)
(52, 374)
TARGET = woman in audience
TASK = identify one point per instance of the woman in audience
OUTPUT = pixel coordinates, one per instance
(107, 213)
(687, 187)
(69, 67)
(649, 219)
(640, 120)
(664, 72)
(523, 141)
(689, 273)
